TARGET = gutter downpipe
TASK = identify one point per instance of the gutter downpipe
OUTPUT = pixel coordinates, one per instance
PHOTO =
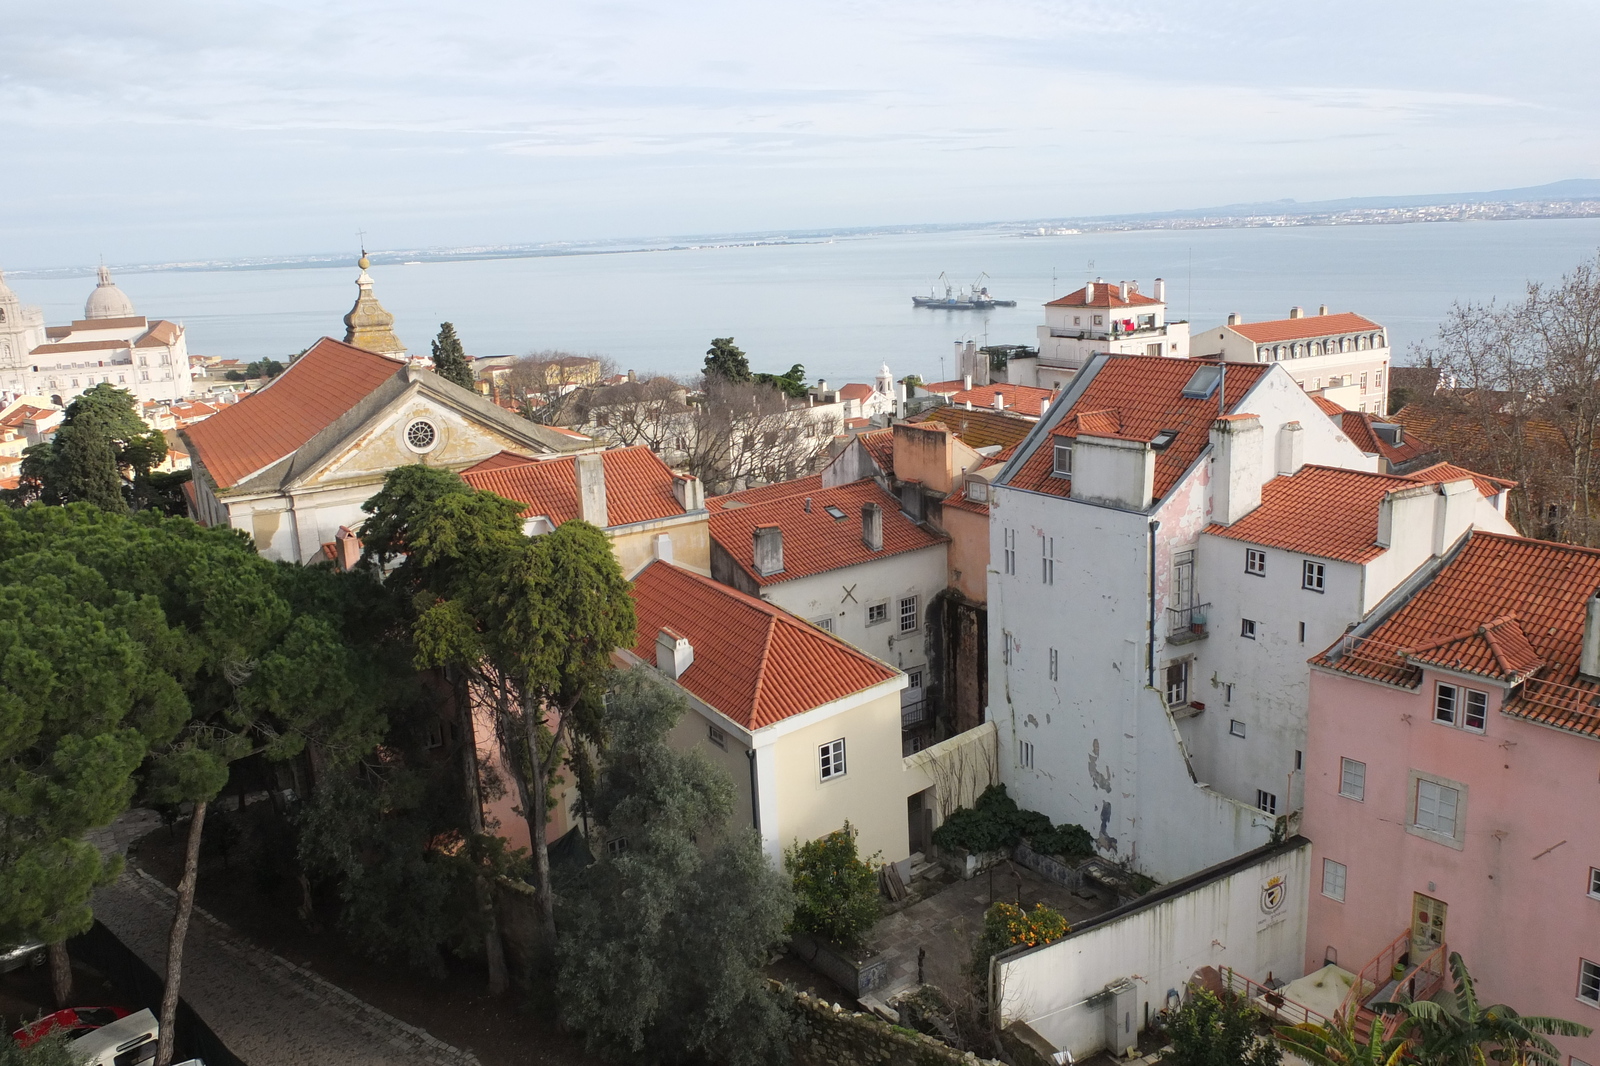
(1155, 524)
(755, 799)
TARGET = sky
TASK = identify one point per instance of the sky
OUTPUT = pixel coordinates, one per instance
(173, 130)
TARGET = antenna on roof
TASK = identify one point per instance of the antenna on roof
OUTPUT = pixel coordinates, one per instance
(1222, 386)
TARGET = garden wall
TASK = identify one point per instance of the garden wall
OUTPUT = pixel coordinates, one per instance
(838, 1037)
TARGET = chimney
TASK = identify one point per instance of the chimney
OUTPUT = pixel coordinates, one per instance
(767, 542)
(872, 526)
(632, 377)
(899, 399)
(999, 401)
(690, 491)
(1322, 310)
(1160, 291)
(661, 547)
(1589, 657)
(1297, 312)
(808, 505)
(1235, 319)
(966, 382)
(674, 653)
(1236, 467)
(1454, 514)
(969, 405)
(1124, 286)
(1291, 448)
(1044, 405)
(591, 474)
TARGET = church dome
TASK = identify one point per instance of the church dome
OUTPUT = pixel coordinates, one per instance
(107, 301)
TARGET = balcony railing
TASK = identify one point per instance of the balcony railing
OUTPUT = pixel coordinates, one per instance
(1187, 623)
(1270, 1000)
(913, 714)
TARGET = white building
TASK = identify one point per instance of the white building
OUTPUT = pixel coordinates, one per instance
(1099, 318)
(1095, 522)
(1279, 575)
(1344, 357)
(111, 344)
(846, 559)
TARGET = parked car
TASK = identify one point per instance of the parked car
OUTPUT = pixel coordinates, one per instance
(31, 953)
(128, 1041)
(73, 1020)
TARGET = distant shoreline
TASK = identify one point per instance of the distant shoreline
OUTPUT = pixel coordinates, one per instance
(1463, 211)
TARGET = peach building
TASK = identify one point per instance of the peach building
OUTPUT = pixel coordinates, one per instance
(1451, 787)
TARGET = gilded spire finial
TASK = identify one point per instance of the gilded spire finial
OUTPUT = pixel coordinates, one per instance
(363, 262)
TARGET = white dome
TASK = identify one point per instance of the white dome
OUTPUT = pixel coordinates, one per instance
(107, 301)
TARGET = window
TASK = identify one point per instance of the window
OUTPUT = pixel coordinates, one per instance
(1594, 882)
(1313, 576)
(1465, 708)
(1255, 562)
(421, 436)
(1055, 665)
(1299, 759)
(1436, 808)
(1025, 754)
(1009, 540)
(717, 736)
(834, 513)
(1589, 982)
(1377, 379)
(825, 623)
(1267, 801)
(1333, 878)
(1178, 683)
(1352, 779)
(1099, 320)
(914, 684)
(877, 612)
(1235, 728)
(1302, 632)
(831, 755)
(1247, 628)
(908, 614)
(616, 846)
(1047, 555)
(978, 490)
(1063, 459)
(1363, 383)
(435, 738)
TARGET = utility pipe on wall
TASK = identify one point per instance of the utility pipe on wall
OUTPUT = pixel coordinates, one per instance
(1151, 654)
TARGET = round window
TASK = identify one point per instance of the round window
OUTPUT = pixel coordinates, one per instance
(421, 436)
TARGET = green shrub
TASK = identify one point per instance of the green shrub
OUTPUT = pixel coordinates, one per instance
(995, 823)
(1006, 925)
(836, 891)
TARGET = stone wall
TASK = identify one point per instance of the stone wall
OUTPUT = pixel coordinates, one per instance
(838, 1037)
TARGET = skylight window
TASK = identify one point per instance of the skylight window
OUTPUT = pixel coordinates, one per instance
(1203, 383)
(1164, 438)
(836, 513)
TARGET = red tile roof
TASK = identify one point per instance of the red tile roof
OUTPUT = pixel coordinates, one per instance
(880, 445)
(638, 486)
(816, 542)
(855, 392)
(1135, 397)
(1322, 511)
(1023, 399)
(315, 390)
(979, 428)
(498, 460)
(775, 491)
(161, 333)
(15, 419)
(1488, 486)
(1102, 294)
(109, 344)
(752, 662)
(1292, 329)
(1329, 408)
(1505, 607)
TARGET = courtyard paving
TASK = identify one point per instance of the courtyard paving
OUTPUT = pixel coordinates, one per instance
(946, 924)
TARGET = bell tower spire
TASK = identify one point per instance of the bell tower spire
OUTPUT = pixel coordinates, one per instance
(369, 325)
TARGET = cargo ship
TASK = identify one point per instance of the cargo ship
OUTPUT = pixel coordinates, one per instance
(976, 298)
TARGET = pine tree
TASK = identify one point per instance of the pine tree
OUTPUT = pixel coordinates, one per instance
(102, 443)
(727, 361)
(450, 359)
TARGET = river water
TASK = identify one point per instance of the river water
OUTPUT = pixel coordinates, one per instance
(843, 307)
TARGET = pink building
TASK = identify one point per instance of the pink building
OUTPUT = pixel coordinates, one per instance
(1453, 781)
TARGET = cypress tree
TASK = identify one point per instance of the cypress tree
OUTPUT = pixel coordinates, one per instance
(450, 359)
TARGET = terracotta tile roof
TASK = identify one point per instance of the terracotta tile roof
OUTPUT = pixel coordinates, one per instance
(161, 333)
(1102, 294)
(1293, 329)
(1505, 607)
(498, 460)
(109, 344)
(753, 662)
(15, 419)
(323, 384)
(857, 423)
(193, 410)
(959, 500)
(855, 392)
(1322, 511)
(979, 428)
(638, 486)
(775, 491)
(1140, 397)
(1022, 399)
(880, 445)
(85, 324)
(1329, 408)
(1357, 425)
(816, 542)
(1488, 486)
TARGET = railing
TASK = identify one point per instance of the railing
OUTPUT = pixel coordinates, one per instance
(913, 714)
(1374, 975)
(1429, 975)
(1271, 1001)
(1187, 621)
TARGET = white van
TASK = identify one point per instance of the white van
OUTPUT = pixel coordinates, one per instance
(129, 1041)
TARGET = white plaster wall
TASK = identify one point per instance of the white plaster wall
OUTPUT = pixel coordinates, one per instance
(1221, 923)
(844, 594)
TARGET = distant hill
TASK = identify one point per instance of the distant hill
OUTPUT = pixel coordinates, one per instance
(1570, 189)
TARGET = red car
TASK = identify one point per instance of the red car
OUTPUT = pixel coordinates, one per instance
(74, 1021)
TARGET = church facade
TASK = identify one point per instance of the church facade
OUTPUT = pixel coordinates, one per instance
(111, 344)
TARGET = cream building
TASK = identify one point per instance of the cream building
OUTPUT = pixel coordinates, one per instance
(1343, 357)
(111, 344)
